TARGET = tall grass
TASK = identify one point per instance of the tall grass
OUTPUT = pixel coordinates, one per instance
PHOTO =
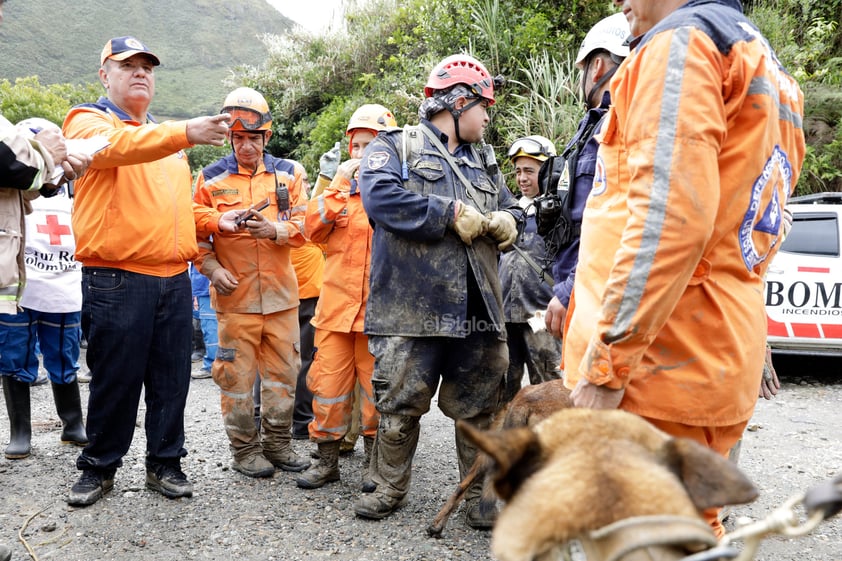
(549, 104)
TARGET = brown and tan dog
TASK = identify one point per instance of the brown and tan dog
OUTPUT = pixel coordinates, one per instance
(531, 405)
(582, 470)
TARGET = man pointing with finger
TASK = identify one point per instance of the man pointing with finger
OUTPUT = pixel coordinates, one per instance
(135, 233)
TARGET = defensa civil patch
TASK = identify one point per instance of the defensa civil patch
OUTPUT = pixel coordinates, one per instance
(377, 160)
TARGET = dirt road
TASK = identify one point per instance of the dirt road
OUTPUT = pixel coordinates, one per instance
(793, 443)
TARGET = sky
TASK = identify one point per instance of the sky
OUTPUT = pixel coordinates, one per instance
(314, 15)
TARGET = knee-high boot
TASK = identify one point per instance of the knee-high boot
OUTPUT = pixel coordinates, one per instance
(367, 485)
(480, 509)
(69, 409)
(20, 422)
(391, 466)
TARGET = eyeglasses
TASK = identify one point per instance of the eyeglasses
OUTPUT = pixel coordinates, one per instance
(529, 147)
(249, 118)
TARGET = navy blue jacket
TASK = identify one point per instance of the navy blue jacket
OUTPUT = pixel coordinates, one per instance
(524, 289)
(424, 281)
(581, 181)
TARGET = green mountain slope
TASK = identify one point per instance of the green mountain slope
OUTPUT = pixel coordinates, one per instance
(198, 42)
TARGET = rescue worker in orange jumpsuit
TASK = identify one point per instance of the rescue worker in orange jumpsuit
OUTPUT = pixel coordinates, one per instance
(254, 287)
(337, 218)
(701, 149)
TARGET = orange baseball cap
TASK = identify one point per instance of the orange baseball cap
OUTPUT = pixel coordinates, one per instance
(121, 48)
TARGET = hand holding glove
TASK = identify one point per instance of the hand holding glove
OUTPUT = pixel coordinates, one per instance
(769, 384)
(503, 227)
(468, 223)
(329, 161)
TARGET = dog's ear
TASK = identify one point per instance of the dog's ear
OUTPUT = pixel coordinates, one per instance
(710, 479)
(515, 455)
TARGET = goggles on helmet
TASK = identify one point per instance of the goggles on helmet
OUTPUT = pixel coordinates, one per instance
(248, 118)
(529, 147)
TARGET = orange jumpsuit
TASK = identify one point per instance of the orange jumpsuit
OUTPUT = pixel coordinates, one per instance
(701, 149)
(342, 359)
(258, 322)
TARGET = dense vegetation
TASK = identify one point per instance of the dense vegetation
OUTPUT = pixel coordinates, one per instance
(387, 48)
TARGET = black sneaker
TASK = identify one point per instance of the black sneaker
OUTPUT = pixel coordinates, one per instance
(170, 481)
(91, 487)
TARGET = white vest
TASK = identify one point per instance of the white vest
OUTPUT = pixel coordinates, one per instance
(53, 276)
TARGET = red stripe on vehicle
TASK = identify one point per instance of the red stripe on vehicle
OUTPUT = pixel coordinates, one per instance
(832, 331)
(813, 269)
(806, 330)
(775, 328)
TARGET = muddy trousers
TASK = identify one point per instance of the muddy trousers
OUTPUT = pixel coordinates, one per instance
(248, 344)
(405, 379)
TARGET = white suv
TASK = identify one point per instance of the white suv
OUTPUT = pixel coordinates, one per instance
(804, 280)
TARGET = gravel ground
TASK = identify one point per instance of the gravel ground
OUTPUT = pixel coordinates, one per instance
(793, 443)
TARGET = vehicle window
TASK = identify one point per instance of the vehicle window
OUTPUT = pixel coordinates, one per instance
(813, 233)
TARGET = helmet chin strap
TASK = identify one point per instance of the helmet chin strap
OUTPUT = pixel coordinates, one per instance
(588, 95)
(456, 113)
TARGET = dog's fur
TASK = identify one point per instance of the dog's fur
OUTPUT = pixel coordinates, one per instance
(582, 469)
(530, 405)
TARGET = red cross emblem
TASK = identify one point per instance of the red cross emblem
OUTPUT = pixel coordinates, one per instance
(54, 229)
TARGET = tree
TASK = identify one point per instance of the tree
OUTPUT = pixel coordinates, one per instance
(28, 98)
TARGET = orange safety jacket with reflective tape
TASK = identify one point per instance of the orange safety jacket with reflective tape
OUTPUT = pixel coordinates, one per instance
(263, 268)
(133, 207)
(337, 218)
(700, 151)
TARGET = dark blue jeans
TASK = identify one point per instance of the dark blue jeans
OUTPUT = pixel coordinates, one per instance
(139, 332)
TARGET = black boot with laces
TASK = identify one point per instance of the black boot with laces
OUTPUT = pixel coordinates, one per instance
(168, 480)
(91, 487)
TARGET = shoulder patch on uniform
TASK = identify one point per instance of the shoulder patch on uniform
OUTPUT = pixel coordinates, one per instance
(377, 160)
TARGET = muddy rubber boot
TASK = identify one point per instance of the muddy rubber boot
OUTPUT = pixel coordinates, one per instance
(69, 409)
(277, 446)
(349, 441)
(326, 471)
(480, 511)
(20, 423)
(368, 485)
(391, 466)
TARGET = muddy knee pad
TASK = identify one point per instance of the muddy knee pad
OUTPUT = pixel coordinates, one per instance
(394, 448)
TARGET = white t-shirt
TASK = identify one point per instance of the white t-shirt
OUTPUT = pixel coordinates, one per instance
(53, 276)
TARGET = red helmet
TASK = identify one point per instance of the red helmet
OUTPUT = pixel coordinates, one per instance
(461, 69)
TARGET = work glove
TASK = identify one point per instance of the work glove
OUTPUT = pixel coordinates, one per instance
(468, 223)
(503, 227)
(769, 384)
(329, 161)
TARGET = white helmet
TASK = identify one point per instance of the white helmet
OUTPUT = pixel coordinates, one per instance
(31, 126)
(609, 34)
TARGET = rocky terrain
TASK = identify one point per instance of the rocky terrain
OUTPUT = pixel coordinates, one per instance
(792, 443)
